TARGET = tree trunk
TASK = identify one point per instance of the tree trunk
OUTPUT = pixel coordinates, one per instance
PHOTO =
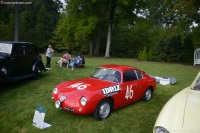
(111, 16)
(16, 21)
(96, 52)
(91, 48)
(107, 54)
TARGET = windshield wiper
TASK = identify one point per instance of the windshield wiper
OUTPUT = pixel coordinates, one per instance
(94, 77)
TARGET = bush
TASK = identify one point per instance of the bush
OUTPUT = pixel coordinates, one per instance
(139, 55)
(169, 50)
(150, 54)
(144, 54)
(188, 55)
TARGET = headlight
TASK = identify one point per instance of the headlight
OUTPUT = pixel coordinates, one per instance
(83, 101)
(4, 70)
(57, 104)
(161, 130)
(62, 98)
(55, 91)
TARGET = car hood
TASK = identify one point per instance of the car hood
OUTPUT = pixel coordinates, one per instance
(181, 113)
(86, 85)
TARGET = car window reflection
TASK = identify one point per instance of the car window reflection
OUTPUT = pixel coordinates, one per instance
(107, 74)
(196, 84)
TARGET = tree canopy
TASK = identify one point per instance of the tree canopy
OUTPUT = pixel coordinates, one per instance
(162, 30)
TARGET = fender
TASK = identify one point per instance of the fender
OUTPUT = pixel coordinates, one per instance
(4, 71)
(35, 64)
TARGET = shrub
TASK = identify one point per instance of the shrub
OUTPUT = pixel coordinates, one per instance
(144, 54)
(139, 55)
(150, 54)
(169, 50)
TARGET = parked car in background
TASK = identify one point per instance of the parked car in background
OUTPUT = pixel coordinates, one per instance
(19, 60)
(181, 114)
(108, 88)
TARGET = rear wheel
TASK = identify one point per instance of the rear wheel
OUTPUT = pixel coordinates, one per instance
(147, 95)
(38, 71)
(103, 109)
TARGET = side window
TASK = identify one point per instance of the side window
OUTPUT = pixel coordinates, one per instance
(31, 50)
(129, 75)
(17, 50)
(118, 76)
(139, 74)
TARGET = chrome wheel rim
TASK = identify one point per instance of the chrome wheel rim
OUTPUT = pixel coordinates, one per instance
(38, 70)
(104, 110)
(148, 94)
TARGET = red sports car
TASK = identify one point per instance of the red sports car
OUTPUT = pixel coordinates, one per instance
(108, 88)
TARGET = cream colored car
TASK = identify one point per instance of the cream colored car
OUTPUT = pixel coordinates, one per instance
(181, 114)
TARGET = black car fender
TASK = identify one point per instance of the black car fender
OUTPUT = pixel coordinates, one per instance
(4, 70)
(38, 62)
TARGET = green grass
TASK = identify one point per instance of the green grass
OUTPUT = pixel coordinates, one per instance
(18, 100)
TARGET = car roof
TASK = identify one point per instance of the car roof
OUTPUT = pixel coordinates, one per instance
(119, 67)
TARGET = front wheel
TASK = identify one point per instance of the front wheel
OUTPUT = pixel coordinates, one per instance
(147, 95)
(38, 71)
(103, 109)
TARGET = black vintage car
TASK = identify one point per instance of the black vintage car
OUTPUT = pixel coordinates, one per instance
(19, 60)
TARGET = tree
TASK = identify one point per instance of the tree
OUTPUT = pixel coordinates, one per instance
(111, 17)
(139, 55)
(16, 22)
(6, 22)
(144, 54)
(150, 54)
(195, 36)
(27, 21)
(79, 14)
(44, 25)
(188, 54)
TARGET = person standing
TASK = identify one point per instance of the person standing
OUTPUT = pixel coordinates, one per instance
(49, 53)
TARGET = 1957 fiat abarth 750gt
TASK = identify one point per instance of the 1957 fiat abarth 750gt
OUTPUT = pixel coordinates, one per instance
(108, 88)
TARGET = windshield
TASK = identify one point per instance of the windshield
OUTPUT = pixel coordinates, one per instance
(196, 83)
(107, 74)
(5, 48)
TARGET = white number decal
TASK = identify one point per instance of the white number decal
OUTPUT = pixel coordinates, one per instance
(129, 93)
(76, 85)
(79, 86)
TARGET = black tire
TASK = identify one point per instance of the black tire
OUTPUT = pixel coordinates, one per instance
(147, 95)
(38, 71)
(103, 109)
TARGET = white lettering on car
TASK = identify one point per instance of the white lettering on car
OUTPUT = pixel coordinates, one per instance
(129, 92)
(111, 90)
(79, 86)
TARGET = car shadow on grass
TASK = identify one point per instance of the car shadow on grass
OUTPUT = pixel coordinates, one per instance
(16, 84)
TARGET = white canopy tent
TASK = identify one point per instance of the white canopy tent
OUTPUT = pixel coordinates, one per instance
(197, 56)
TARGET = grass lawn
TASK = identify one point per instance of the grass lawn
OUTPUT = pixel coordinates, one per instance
(18, 100)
